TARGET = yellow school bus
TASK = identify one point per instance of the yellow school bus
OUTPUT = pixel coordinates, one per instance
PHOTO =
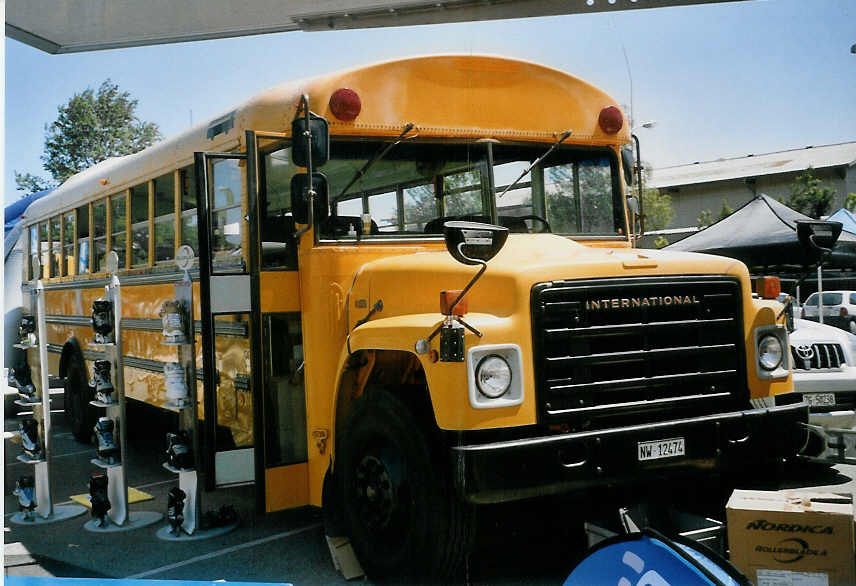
(341, 366)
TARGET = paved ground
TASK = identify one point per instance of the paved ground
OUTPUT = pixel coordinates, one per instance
(532, 543)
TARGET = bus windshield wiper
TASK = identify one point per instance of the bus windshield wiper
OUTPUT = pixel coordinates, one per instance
(562, 139)
(381, 153)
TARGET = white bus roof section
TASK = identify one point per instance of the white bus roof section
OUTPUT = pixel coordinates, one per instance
(72, 26)
(817, 157)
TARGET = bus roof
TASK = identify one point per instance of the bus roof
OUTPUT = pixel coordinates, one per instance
(447, 96)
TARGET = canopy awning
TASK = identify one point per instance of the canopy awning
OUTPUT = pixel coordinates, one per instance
(71, 26)
(763, 233)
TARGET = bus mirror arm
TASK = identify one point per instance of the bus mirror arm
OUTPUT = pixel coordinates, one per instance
(311, 203)
(638, 168)
(310, 192)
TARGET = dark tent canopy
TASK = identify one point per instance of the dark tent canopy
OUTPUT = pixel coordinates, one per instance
(763, 233)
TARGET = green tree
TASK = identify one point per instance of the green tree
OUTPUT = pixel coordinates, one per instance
(704, 219)
(91, 127)
(726, 210)
(29, 183)
(661, 241)
(657, 208)
(809, 196)
(850, 202)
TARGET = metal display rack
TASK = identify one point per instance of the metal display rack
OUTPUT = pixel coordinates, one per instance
(45, 511)
(188, 478)
(119, 517)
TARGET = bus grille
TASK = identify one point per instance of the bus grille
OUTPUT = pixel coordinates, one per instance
(820, 356)
(637, 350)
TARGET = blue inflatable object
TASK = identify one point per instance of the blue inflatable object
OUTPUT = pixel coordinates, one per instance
(651, 559)
(13, 211)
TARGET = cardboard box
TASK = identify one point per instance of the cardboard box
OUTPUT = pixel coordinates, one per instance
(344, 558)
(790, 538)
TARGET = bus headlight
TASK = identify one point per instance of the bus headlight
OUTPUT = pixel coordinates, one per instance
(770, 352)
(493, 376)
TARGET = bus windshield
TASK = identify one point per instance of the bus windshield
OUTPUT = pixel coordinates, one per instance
(416, 187)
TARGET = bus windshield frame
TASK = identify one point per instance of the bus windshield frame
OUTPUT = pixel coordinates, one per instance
(576, 190)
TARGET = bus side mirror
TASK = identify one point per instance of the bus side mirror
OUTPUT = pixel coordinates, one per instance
(320, 141)
(627, 164)
(818, 236)
(473, 243)
(300, 197)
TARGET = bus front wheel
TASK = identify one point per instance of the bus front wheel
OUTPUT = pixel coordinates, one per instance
(401, 512)
(80, 415)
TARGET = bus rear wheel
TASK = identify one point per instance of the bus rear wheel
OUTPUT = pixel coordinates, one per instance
(403, 517)
(80, 415)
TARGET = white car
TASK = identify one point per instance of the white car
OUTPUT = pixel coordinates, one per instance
(839, 309)
(824, 366)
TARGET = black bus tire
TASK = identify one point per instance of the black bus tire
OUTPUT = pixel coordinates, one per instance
(403, 518)
(81, 416)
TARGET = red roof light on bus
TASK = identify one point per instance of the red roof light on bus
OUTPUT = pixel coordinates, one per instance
(610, 120)
(345, 104)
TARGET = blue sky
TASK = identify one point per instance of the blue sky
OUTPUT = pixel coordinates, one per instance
(721, 80)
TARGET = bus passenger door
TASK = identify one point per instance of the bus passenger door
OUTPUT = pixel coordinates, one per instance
(228, 278)
(281, 451)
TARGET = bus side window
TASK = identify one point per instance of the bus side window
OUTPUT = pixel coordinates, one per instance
(119, 236)
(68, 227)
(83, 240)
(384, 209)
(189, 232)
(562, 186)
(99, 235)
(164, 218)
(227, 218)
(278, 247)
(56, 251)
(420, 206)
(462, 194)
(44, 250)
(521, 199)
(596, 189)
(34, 250)
(140, 225)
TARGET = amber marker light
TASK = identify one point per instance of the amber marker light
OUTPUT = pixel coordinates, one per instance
(610, 120)
(447, 298)
(768, 287)
(345, 104)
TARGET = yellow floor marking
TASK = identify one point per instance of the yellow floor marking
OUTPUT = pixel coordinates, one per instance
(134, 496)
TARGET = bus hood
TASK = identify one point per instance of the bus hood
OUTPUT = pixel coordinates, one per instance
(412, 283)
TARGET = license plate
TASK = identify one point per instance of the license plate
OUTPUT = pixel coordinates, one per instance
(668, 448)
(820, 399)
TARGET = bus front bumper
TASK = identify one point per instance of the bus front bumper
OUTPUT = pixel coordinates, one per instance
(517, 469)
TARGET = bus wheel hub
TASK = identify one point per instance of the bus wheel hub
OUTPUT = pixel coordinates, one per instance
(375, 493)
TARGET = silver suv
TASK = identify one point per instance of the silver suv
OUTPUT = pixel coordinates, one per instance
(839, 309)
(824, 366)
